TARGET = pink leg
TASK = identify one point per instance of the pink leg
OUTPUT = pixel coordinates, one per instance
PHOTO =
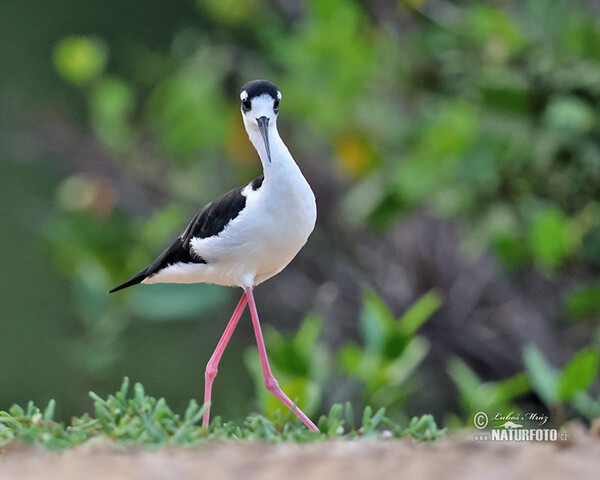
(213, 363)
(270, 381)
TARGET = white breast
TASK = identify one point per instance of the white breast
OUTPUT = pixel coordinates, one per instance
(264, 238)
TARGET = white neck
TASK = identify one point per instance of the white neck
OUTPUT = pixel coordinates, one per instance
(287, 192)
(282, 162)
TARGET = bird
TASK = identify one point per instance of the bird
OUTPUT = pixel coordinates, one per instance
(247, 235)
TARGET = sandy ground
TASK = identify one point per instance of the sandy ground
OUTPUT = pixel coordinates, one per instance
(458, 458)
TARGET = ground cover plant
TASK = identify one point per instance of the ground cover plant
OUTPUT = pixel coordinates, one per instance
(135, 418)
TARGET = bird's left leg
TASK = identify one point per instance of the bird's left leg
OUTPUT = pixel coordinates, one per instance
(213, 363)
(270, 381)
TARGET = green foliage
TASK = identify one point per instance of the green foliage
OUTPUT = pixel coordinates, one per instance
(185, 112)
(476, 395)
(556, 388)
(385, 364)
(392, 350)
(502, 135)
(334, 76)
(421, 428)
(568, 385)
(140, 419)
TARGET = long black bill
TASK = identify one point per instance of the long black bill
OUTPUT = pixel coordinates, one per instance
(263, 124)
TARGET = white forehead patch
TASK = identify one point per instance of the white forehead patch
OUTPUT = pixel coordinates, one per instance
(244, 96)
(278, 95)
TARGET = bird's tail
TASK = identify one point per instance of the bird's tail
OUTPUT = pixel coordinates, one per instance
(137, 278)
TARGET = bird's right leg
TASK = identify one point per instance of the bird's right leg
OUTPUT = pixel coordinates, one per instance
(213, 363)
(270, 382)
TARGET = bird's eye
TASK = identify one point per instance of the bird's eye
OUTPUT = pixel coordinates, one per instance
(246, 105)
(276, 106)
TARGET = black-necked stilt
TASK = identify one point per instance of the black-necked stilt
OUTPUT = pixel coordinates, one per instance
(246, 236)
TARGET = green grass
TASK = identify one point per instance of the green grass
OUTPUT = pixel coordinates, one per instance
(140, 419)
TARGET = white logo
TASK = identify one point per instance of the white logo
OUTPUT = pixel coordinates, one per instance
(480, 420)
(510, 431)
(510, 425)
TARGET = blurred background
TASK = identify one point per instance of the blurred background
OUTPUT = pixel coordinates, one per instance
(454, 149)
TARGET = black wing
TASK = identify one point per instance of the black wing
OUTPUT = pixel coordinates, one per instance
(213, 218)
(210, 221)
(174, 254)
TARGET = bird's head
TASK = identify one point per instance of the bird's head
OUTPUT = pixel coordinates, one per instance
(260, 107)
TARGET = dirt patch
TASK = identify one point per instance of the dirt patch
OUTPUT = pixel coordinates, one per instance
(459, 458)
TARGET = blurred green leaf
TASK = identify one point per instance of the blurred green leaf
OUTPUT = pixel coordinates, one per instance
(467, 382)
(185, 111)
(492, 26)
(543, 377)
(376, 320)
(350, 358)
(432, 161)
(92, 285)
(288, 357)
(309, 332)
(550, 237)
(586, 406)
(398, 371)
(419, 312)
(578, 374)
(80, 59)
(476, 395)
(571, 114)
(161, 225)
(231, 12)
(507, 390)
(584, 302)
(513, 251)
(111, 103)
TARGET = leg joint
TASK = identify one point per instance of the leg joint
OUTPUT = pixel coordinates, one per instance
(210, 372)
(271, 383)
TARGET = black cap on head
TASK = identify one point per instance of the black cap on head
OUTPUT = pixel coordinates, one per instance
(256, 88)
